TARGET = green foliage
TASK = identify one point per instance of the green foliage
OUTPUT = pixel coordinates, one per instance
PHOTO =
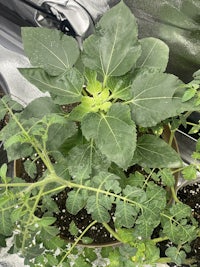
(99, 138)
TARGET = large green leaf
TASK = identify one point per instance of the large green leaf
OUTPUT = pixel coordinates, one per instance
(114, 133)
(156, 97)
(153, 152)
(65, 89)
(155, 54)
(113, 48)
(50, 49)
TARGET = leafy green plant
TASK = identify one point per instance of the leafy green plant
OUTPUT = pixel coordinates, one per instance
(99, 134)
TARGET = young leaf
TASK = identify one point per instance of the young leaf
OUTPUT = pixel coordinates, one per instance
(120, 87)
(189, 93)
(114, 134)
(155, 53)
(189, 172)
(94, 87)
(73, 229)
(50, 49)
(111, 50)
(64, 89)
(30, 168)
(153, 152)
(167, 177)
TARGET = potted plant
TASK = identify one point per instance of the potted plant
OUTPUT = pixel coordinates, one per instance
(98, 143)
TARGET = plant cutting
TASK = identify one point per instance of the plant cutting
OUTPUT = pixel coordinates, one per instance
(99, 137)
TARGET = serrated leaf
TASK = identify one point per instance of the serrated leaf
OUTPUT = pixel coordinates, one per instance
(111, 50)
(64, 89)
(46, 221)
(167, 177)
(93, 85)
(75, 202)
(114, 134)
(177, 256)
(180, 211)
(152, 252)
(155, 54)
(51, 259)
(30, 168)
(153, 152)
(125, 214)
(156, 97)
(174, 224)
(6, 225)
(73, 229)
(134, 193)
(50, 49)
(189, 93)
(54, 243)
(189, 172)
(120, 87)
(85, 159)
(80, 261)
(106, 181)
(98, 206)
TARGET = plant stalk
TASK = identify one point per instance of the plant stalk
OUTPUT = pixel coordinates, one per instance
(112, 232)
(76, 242)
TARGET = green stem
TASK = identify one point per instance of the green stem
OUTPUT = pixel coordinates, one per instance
(164, 260)
(160, 239)
(171, 138)
(76, 242)
(31, 214)
(112, 232)
(174, 195)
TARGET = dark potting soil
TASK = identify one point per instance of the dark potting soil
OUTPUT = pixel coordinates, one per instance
(97, 233)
